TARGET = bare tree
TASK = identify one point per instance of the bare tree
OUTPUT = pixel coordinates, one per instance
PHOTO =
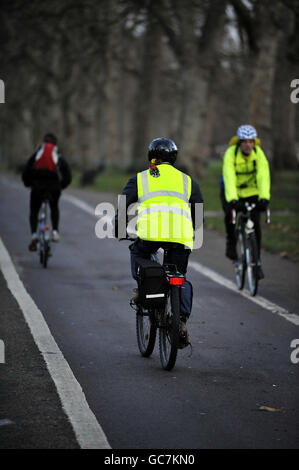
(270, 27)
(110, 76)
(193, 30)
(284, 111)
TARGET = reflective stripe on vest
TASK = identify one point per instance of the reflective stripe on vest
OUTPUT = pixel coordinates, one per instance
(165, 214)
(166, 209)
(147, 194)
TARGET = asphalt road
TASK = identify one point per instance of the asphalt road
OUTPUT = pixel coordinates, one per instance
(213, 399)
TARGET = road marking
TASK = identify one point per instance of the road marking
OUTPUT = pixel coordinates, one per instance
(214, 276)
(81, 204)
(88, 432)
(6, 422)
(261, 301)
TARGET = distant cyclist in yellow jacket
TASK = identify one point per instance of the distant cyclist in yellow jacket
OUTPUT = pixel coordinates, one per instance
(246, 177)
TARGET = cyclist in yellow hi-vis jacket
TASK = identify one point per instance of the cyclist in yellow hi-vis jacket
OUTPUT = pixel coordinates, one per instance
(246, 177)
(166, 214)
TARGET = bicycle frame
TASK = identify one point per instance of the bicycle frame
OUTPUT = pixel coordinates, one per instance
(43, 228)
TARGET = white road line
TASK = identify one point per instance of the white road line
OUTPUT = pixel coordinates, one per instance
(213, 275)
(81, 204)
(261, 301)
(88, 432)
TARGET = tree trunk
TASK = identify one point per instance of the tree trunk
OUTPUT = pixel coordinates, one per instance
(193, 111)
(262, 91)
(144, 110)
(284, 111)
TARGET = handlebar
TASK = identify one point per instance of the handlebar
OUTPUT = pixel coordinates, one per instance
(249, 207)
(128, 239)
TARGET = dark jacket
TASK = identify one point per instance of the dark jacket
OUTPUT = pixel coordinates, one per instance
(131, 193)
(44, 178)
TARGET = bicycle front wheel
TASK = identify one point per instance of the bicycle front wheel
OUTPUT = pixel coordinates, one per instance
(45, 255)
(146, 333)
(252, 264)
(169, 333)
(240, 264)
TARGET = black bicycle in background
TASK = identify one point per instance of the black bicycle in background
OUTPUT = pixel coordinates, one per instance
(43, 233)
(247, 248)
(158, 308)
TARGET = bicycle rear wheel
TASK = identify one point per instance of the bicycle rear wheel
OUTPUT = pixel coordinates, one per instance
(169, 333)
(252, 264)
(146, 333)
(240, 264)
(45, 255)
(41, 247)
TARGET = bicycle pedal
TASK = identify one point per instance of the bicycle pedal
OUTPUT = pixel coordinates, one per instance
(184, 344)
(184, 340)
(133, 305)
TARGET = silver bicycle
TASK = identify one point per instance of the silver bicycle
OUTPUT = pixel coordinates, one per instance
(247, 248)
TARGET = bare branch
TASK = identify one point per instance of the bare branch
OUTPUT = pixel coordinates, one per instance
(247, 23)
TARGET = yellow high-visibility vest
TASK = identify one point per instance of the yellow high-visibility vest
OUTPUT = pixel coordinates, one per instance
(245, 177)
(164, 212)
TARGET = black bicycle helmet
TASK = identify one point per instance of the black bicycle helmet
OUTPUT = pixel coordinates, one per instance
(163, 148)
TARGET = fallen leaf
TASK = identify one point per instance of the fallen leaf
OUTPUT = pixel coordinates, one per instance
(115, 288)
(268, 408)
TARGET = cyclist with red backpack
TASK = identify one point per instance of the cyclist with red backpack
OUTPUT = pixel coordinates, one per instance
(46, 172)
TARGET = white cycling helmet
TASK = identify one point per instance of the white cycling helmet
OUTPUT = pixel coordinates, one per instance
(246, 132)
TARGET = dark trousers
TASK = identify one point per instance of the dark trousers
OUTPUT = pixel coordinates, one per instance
(230, 228)
(177, 255)
(37, 197)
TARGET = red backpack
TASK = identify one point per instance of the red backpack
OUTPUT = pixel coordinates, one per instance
(46, 158)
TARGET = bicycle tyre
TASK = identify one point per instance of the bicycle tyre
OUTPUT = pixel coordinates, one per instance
(240, 264)
(41, 256)
(169, 333)
(45, 254)
(146, 333)
(252, 264)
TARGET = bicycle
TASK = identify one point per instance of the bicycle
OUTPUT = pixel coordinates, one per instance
(44, 239)
(247, 248)
(165, 317)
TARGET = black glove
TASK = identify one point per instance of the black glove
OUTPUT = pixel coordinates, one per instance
(232, 204)
(262, 204)
(237, 205)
